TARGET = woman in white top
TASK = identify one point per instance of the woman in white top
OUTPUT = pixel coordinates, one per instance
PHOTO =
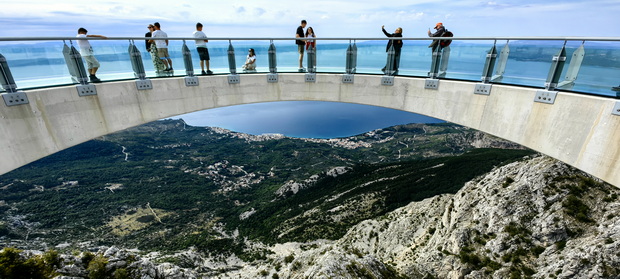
(311, 43)
(250, 61)
(310, 34)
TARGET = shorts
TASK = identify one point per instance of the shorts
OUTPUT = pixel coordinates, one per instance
(300, 49)
(203, 53)
(91, 61)
(163, 53)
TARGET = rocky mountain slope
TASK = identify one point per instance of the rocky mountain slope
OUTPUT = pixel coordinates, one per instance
(534, 218)
(167, 200)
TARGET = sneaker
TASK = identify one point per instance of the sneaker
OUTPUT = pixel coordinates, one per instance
(94, 79)
(209, 72)
(204, 73)
(301, 70)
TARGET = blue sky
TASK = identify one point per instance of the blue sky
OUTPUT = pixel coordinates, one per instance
(329, 18)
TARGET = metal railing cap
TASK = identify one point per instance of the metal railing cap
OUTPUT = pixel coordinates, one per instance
(17, 39)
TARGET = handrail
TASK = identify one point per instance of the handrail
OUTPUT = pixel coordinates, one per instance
(608, 39)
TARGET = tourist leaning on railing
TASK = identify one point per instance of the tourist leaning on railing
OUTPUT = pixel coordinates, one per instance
(86, 50)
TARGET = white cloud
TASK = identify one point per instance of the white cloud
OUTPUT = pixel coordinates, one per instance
(334, 18)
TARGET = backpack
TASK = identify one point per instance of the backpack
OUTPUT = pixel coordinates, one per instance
(445, 43)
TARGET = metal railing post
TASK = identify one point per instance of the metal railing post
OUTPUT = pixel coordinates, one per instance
(484, 88)
(272, 76)
(350, 66)
(388, 70)
(432, 82)
(548, 95)
(233, 77)
(142, 83)
(573, 67)
(389, 64)
(445, 58)
(349, 59)
(75, 64)
(489, 64)
(501, 63)
(231, 59)
(354, 57)
(435, 62)
(6, 78)
(273, 63)
(12, 97)
(311, 74)
(190, 79)
(187, 60)
(557, 65)
(311, 59)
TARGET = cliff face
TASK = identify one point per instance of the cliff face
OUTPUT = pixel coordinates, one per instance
(537, 217)
(534, 218)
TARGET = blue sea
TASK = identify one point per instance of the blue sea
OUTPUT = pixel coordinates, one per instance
(41, 64)
(304, 119)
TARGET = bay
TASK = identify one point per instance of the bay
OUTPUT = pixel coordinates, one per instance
(304, 119)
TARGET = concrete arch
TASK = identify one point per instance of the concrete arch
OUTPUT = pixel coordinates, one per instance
(577, 129)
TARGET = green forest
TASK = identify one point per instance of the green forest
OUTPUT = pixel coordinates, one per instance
(170, 186)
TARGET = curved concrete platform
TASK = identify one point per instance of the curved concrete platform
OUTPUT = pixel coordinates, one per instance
(577, 129)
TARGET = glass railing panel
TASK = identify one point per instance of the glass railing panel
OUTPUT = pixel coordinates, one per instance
(466, 59)
(331, 56)
(600, 69)
(41, 63)
(288, 57)
(371, 57)
(113, 56)
(261, 49)
(218, 56)
(415, 58)
(36, 64)
(529, 62)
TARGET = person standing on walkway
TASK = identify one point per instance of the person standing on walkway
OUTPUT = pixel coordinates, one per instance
(158, 65)
(310, 34)
(86, 50)
(398, 45)
(301, 44)
(439, 33)
(147, 42)
(201, 47)
(162, 47)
